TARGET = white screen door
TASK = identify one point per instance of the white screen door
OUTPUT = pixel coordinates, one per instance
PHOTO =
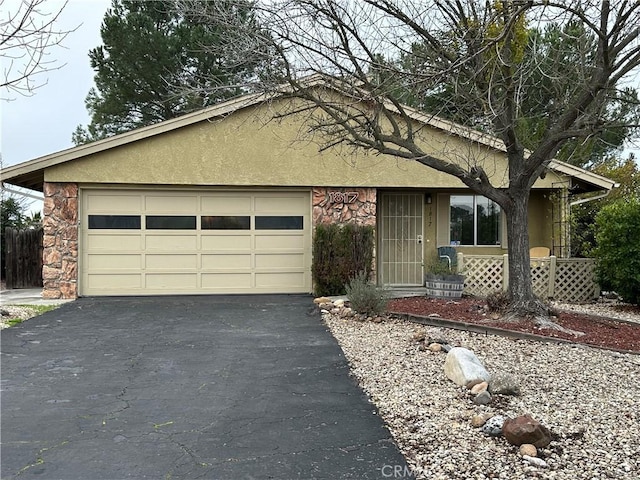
(401, 238)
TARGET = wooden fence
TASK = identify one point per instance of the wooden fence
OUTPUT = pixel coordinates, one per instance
(570, 280)
(23, 258)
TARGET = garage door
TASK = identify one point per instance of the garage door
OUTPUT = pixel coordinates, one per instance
(175, 242)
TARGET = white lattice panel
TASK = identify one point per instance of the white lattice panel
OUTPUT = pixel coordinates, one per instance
(483, 274)
(540, 275)
(575, 280)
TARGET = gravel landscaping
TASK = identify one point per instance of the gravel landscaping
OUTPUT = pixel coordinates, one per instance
(588, 398)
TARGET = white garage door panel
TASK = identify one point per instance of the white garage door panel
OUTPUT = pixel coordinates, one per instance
(171, 242)
(283, 280)
(280, 242)
(275, 261)
(226, 261)
(171, 261)
(114, 282)
(225, 204)
(201, 251)
(117, 203)
(116, 243)
(170, 205)
(226, 282)
(123, 261)
(172, 281)
(226, 242)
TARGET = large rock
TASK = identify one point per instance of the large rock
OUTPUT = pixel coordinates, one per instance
(462, 366)
(524, 429)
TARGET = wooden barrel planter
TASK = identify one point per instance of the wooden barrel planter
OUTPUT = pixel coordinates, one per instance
(444, 286)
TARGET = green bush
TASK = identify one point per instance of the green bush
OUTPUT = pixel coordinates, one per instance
(618, 248)
(366, 297)
(340, 252)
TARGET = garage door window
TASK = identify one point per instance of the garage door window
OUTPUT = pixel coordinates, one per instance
(279, 223)
(225, 222)
(114, 222)
(170, 222)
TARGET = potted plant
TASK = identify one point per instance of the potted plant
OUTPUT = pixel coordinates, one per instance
(441, 279)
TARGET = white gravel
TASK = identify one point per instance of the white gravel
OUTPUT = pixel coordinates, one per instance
(588, 398)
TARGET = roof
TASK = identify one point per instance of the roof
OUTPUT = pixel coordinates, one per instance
(30, 174)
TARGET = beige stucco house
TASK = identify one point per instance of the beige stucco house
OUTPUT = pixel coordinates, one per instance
(225, 200)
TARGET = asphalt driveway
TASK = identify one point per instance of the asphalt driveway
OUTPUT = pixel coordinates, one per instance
(185, 387)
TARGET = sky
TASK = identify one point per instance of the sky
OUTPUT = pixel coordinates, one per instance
(34, 126)
(43, 123)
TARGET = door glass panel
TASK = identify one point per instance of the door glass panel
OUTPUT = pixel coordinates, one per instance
(114, 222)
(279, 222)
(171, 222)
(225, 222)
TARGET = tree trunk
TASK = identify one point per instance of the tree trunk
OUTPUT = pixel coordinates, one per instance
(523, 302)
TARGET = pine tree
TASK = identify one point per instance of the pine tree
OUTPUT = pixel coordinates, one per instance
(153, 65)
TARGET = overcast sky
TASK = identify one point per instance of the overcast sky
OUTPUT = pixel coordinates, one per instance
(43, 123)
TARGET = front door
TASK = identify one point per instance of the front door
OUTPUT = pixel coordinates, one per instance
(401, 237)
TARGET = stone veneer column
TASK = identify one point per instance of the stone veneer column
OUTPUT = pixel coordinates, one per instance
(346, 205)
(60, 255)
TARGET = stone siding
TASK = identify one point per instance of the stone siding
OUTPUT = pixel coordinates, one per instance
(60, 254)
(344, 205)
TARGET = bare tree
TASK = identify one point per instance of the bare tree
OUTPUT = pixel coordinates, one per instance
(28, 32)
(478, 58)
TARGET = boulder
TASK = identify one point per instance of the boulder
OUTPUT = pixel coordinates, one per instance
(435, 347)
(504, 383)
(319, 300)
(462, 366)
(524, 429)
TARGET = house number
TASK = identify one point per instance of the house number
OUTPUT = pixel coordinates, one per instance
(343, 197)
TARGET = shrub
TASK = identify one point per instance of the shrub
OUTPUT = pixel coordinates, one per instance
(618, 248)
(366, 297)
(438, 266)
(498, 302)
(339, 253)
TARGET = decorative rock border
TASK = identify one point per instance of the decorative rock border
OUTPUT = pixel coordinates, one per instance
(463, 368)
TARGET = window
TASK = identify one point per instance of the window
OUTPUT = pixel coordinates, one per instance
(171, 222)
(474, 220)
(114, 222)
(279, 223)
(225, 222)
